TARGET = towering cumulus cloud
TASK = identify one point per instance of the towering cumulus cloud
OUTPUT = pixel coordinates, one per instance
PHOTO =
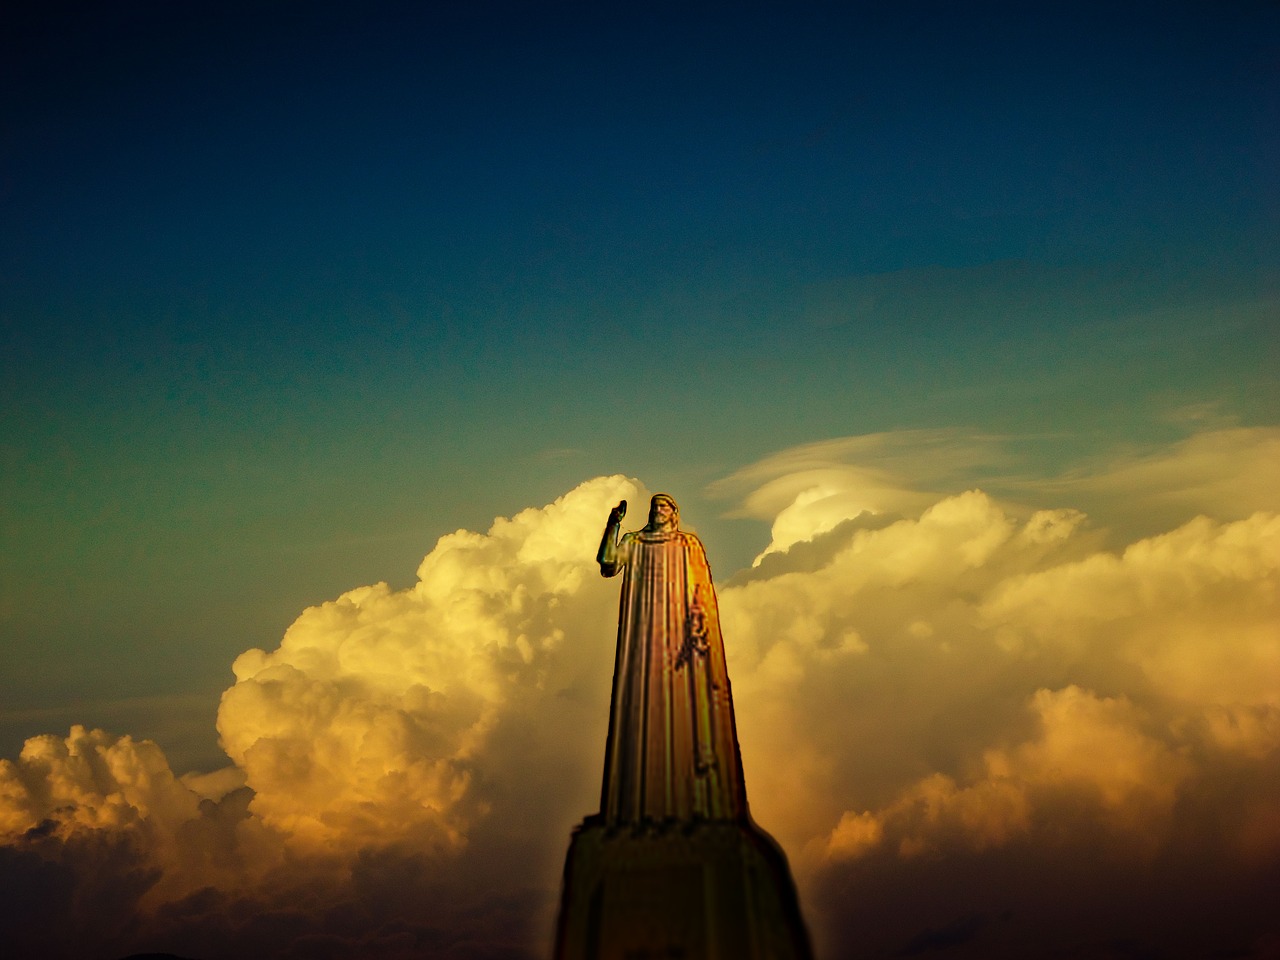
(375, 723)
(407, 767)
(1017, 736)
(983, 726)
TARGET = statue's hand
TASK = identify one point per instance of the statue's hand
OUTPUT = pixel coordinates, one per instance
(607, 557)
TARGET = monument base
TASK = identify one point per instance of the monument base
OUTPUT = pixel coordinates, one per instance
(706, 890)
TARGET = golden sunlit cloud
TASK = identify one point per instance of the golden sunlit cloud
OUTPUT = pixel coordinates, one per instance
(926, 683)
(372, 723)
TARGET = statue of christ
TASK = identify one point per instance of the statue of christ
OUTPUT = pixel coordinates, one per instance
(672, 751)
(672, 865)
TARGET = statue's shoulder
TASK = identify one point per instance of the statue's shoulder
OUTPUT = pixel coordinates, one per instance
(696, 557)
(691, 541)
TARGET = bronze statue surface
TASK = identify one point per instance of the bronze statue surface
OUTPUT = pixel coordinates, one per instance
(672, 750)
(672, 865)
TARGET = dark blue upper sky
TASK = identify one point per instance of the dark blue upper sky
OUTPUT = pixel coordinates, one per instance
(245, 158)
(262, 192)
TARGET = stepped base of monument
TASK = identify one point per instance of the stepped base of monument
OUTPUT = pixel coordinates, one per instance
(707, 890)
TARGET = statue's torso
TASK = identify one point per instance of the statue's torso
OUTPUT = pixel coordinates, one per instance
(673, 750)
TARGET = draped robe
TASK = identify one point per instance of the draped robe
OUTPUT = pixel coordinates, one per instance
(672, 751)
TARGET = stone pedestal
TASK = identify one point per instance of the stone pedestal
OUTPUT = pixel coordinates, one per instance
(700, 890)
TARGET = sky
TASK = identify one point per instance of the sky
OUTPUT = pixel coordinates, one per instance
(329, 335)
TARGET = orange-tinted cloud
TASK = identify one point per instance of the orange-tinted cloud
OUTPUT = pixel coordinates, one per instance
(973, 722)
(431, 732)
(987, 687)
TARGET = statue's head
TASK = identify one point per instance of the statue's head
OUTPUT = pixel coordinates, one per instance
(663, 512)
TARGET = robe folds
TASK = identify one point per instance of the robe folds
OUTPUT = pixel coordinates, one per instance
(672, 751)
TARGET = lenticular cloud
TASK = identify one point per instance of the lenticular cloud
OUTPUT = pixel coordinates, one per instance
(976, 725)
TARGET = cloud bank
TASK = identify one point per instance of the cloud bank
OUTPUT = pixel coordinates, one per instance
(979, 727)
(407, 766)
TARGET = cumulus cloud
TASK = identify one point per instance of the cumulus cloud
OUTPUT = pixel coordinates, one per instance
(428, 733)
(976, 722)
(1089, 749)
(988, 687)
(376, 720)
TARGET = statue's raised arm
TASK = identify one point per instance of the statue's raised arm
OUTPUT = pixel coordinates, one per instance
(607, 556)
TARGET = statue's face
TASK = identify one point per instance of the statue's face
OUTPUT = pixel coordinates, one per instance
(660, 513)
